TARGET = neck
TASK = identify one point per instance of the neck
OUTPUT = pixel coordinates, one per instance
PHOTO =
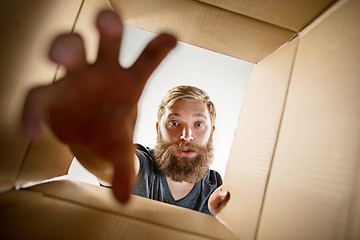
(179, 190)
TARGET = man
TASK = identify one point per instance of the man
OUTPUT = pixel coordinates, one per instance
(93, 110)
(177, 171)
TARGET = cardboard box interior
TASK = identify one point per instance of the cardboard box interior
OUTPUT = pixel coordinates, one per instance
(293, 172)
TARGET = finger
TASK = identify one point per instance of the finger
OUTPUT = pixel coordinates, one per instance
(124, 174)
(152, 56)
(121, 153)
(216, 199)
(110, 28)
(68, 50)
(34, 112)
(122, 184)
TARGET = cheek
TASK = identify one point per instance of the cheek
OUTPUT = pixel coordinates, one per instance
(203, 138)
(167, 135)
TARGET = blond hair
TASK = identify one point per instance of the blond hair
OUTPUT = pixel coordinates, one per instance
(186, 92)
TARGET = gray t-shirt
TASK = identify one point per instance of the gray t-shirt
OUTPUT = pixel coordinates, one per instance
(153, 184)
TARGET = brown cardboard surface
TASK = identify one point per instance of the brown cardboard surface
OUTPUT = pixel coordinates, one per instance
(85, 26)
(139, 208)
(353, 221)
(41, 151)
(51, 218)
(13, 198)
(255, 138)
(291, 14)
(299, 183)
(311, 188)
(206, 26)
(28, 28)
(45, 158)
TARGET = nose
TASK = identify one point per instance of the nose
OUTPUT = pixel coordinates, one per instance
(187, 134)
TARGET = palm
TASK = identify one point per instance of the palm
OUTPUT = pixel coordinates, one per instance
(96, 103)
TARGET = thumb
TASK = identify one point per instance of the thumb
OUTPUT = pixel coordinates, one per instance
(216, 199)
(34, 111)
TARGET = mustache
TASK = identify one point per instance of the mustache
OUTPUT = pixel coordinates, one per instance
(192, 146)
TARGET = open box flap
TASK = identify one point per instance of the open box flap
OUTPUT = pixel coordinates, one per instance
(291, 14)
(67, 208)
(47, 217)
(139, 208)
(206, 26)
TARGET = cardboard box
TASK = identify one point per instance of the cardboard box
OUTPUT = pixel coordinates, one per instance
(294, 168)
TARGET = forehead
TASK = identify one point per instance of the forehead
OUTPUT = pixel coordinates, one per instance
(188, 107)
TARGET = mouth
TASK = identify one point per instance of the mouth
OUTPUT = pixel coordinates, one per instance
(186, 152)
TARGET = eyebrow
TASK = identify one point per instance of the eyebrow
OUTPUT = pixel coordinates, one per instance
(177, 115)
(173, 115)
(201, 116)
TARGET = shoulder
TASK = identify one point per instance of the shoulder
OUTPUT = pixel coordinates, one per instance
(213, 178)
(146, 157)
(141, 148)
(143, 152)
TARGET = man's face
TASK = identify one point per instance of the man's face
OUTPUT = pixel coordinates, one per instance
(184, 148)
(186, 120)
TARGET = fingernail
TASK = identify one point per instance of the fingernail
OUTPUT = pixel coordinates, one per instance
(121, 186)
(168, 40)
(110, 23)
(121, 194)
(223, 194)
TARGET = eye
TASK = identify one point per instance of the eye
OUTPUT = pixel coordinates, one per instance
(173, 124)
(199, 124)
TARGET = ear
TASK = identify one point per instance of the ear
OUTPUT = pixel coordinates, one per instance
(157, 127)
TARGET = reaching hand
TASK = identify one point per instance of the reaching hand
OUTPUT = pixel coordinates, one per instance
(216, 199)
(94, 106)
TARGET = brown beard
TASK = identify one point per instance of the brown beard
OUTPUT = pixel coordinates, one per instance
(183, 169)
